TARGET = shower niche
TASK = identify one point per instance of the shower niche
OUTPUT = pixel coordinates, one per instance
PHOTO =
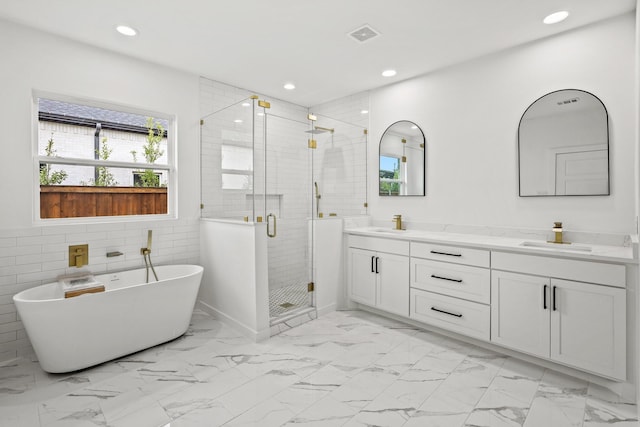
(269, 172)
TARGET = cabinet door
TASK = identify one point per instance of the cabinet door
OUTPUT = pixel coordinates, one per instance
(588, 327)
(393, 283)
(362, 277)
(520, 312)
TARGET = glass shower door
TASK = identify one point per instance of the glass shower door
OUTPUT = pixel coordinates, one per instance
(227, 162)
(339, 168)
(287, 204)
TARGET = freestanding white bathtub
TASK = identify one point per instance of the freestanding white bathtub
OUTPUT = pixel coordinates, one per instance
(131, 315)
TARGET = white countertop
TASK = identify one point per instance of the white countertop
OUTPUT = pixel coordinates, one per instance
(620, 254)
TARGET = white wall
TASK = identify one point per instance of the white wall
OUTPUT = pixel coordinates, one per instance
(31, 255)
(470, 113)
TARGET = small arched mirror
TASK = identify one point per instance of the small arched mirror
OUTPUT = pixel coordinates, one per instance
(563, 146)
(402, 160)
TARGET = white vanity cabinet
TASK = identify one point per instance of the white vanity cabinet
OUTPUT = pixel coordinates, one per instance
(450, 288)
(546, 314)
(378, 272)
(567, 308)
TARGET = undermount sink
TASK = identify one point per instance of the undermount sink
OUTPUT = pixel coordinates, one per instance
(385, 230)
(557, 246)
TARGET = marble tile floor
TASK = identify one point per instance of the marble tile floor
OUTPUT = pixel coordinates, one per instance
(343, 369)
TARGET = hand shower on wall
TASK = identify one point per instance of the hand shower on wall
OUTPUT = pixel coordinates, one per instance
(146, 254)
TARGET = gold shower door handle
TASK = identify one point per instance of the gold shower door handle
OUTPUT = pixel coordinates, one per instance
(269, 217)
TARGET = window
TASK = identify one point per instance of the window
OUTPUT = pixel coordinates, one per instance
(237, 167)
(140, 179)
(94, 160)
(390, 181)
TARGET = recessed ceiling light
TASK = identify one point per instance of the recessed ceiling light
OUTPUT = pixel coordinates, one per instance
(237, 121)
(556, 17)
(414, 127)
(246, 104)
(289, 86)
(126, 30)
(261, 114)
(364, 112)
(389, 73)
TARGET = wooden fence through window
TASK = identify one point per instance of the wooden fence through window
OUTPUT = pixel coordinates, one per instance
(66, 201)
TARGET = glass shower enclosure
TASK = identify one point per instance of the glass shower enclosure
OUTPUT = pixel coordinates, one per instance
(255, 168)
(280, 170)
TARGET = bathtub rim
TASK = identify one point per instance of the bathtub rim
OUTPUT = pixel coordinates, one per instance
(19, 297)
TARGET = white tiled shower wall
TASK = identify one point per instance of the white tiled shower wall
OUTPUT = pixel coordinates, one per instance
(340, 161)
(33, 256)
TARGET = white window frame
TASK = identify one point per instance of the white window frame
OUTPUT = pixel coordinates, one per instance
(401, 173)
(170, 167)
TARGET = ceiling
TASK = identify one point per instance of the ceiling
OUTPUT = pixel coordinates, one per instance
(260, 45)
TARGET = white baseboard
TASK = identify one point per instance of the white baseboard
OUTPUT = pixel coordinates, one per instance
(248, 332)
(326, 309)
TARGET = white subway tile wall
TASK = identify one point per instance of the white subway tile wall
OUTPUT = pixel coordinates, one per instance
(340, 161)
(33, 256)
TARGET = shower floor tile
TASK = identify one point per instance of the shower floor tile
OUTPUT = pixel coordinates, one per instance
(348, 368)
(287, 299)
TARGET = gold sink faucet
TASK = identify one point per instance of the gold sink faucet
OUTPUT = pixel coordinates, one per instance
(397, 219)
(557, 229)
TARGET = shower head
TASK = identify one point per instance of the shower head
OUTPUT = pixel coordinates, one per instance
(319, 129)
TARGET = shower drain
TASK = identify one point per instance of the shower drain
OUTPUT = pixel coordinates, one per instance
(286, 299)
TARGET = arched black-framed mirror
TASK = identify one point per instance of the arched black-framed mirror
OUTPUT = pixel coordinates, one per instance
(402, 160)
(563, 146)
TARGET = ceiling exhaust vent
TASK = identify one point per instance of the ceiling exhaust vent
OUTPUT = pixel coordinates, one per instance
(364, 33)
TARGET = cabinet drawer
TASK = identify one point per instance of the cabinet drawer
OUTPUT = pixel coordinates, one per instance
(461, 281)
(458, 255)
(582, 271)
(390, 246)
(463, 317)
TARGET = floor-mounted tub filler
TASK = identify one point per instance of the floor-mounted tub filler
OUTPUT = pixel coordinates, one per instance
(68, 334)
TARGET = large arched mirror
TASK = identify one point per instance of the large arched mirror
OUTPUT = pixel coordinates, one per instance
(402, 160)
(563, 146)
